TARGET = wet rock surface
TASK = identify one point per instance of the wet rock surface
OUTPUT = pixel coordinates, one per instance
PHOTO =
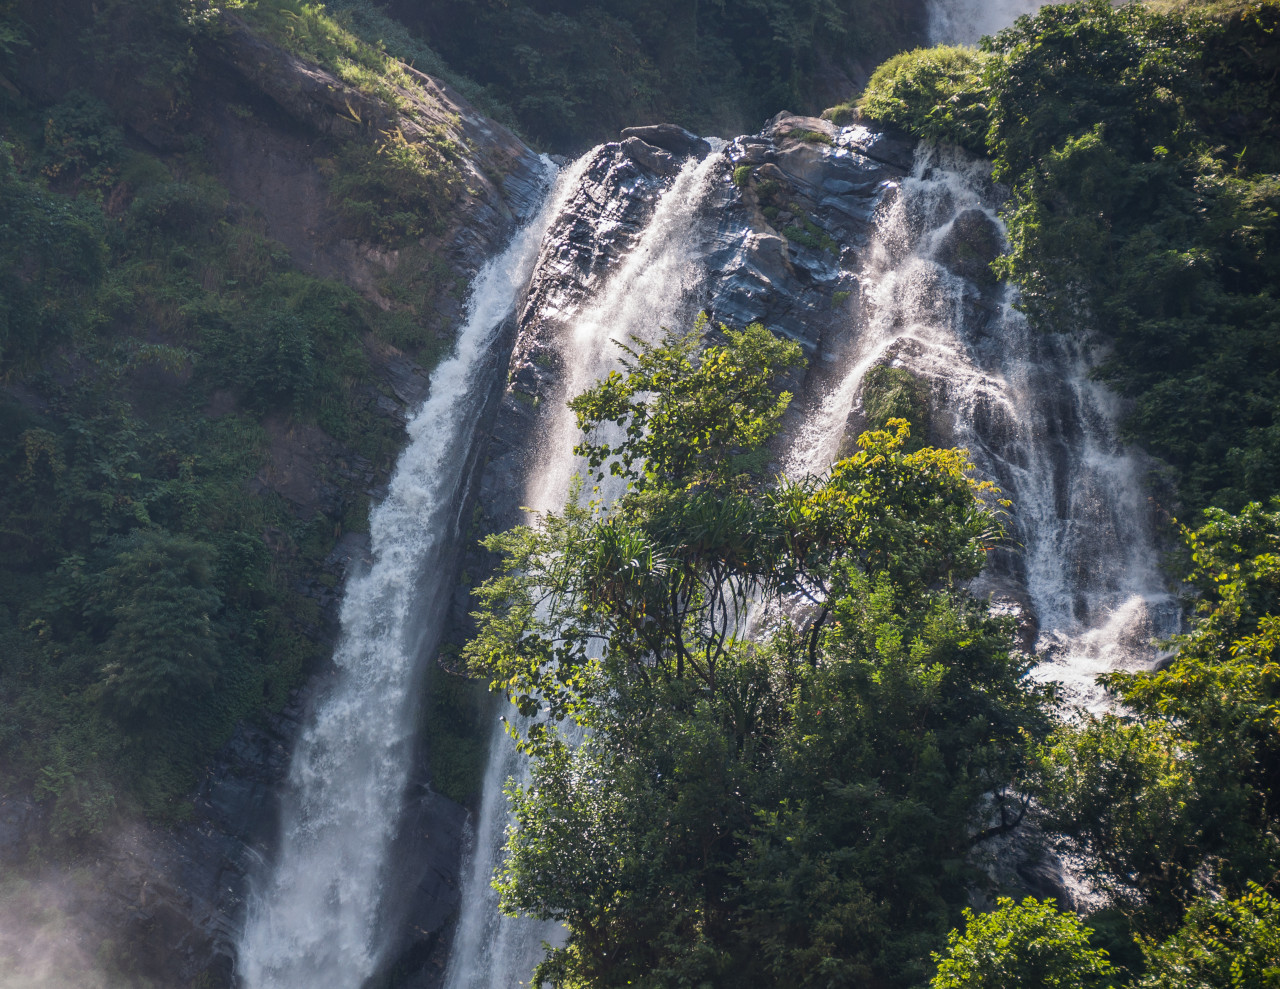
(785, 225)
(671, 138)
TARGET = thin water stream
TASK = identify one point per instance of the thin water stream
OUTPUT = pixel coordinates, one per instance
(1033, 420)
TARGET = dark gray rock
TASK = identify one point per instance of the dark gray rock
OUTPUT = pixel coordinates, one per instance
(670, 138)
(787, 127)
(886, 145)
(649, 157)
(427, 885)
(755, 270)
(970, 245)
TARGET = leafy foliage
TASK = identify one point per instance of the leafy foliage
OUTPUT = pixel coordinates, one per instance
(52, 258)
(1221, 943)
(792, 812)
(1027, 945)
(396, 191)
(148, 600)
(711, 407)
(895, 393)
(933, 92)
(1186, 794)
(161, 655)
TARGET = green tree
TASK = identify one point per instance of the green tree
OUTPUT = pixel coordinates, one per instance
(936, 93)
(1184, 787)
(161, 654)
(790, 809)
(1222, 944)
(1027, 945)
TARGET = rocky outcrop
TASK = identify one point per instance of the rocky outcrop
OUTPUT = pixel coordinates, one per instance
(303, 91)
(970, 245)
(785, 225)
(671, 138)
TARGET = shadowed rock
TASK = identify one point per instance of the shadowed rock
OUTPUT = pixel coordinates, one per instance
(670, 138)
(969, 247)
(649, 157)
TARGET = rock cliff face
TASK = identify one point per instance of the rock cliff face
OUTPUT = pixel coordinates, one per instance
(791, 210)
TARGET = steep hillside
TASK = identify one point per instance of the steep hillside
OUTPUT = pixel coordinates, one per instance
(232, 246)
(574, 72)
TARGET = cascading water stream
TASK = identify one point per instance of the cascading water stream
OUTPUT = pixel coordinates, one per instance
(654, 286)
(1033, 421)
(965, 22)
(313, 921)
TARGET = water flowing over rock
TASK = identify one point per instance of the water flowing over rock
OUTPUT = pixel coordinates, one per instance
(318, 919)
(965, 22)
(866, 252)
(1083, 568)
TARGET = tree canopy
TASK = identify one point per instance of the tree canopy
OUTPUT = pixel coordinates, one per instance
(790, 806)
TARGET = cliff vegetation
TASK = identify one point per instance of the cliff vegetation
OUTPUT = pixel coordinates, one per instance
(190, 416)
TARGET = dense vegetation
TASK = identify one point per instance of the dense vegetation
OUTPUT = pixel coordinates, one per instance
(154, 345)
(574, 72)
(1142, 146)
(789, 809)
(795, 808)
(726, 795)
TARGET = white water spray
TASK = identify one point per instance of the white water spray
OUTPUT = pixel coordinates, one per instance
(652, 288)
(965, 22)
(1024, 405)
(314, 922)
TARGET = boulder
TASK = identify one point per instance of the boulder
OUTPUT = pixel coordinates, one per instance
(889, 147)
(670, 138)
(649, 157)
(788, 126)
(970, 245)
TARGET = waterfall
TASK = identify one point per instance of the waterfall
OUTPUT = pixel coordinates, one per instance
(965, 22)
(654, 286)
(313, 922)
(1034, 422)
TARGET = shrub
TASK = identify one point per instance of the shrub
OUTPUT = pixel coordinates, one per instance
(175, 209)
(895, 393)
(398, 190)
(82, 146)
(1027, 945)
(161, 655)
(936, 93)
